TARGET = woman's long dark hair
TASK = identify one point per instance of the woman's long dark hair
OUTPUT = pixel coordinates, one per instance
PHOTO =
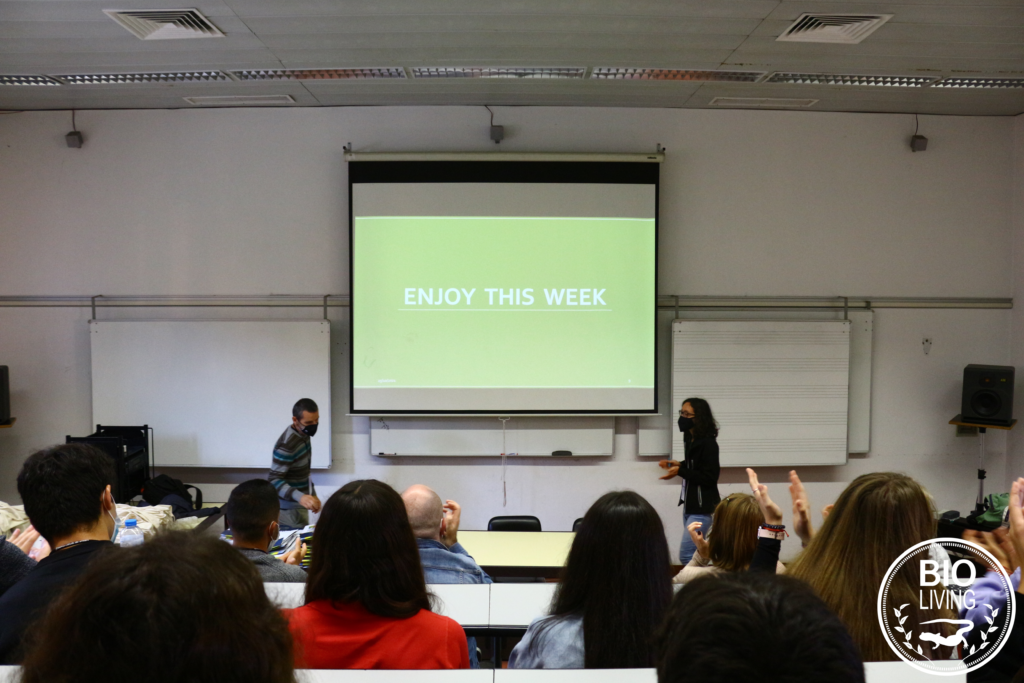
(177, 608)
(618, 579)
(704, 424)
(364, 550)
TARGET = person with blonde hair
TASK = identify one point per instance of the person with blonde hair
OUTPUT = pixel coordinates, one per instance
(731, 544)
(874, 520)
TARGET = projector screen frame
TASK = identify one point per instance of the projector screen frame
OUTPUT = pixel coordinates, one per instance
(639, 169)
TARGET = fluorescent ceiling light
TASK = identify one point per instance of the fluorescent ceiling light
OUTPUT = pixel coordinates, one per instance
(971, 82)
(159, 77)
(317, 74)
(498, 72)
(27, 80)
(850, 79)
(638, 74)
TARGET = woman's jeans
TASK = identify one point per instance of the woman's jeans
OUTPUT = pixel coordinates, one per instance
(687, 547)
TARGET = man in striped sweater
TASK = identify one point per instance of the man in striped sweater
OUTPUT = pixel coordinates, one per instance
(290, 471)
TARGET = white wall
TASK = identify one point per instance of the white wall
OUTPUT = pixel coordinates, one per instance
(1015, 441)
(752, 203)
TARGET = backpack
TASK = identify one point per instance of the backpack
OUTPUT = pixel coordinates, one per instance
(159, 487)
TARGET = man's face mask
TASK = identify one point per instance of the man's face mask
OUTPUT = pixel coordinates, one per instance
(310, 430)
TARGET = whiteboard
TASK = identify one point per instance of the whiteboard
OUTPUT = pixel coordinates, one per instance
(465, 436)
(217, 393)
(778, 388)
(656, 432)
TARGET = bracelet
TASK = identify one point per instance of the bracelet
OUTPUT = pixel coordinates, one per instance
(771, 533)
(777, 527)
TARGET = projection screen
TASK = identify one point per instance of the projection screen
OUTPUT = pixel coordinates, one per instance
(503, 287)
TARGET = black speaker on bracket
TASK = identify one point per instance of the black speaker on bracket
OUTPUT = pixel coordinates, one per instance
(5, 395)
(988, 394)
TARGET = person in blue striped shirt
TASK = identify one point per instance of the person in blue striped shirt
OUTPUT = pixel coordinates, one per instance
(289, 472)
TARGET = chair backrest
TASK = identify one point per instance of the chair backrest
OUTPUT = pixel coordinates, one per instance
(514, 523)
(576, 525)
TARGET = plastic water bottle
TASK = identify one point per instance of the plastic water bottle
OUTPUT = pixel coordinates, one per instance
(132, 534)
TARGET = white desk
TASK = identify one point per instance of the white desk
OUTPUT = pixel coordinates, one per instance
(518, 548)
(901, 672)
(515, 605)
(576, 676)
(875, 672)
(468, 604)
(363, 676)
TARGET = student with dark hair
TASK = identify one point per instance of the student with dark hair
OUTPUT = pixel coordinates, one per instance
(615, 589)
(751, 627)
(289, 472)
(251, 513)
(699, 470)
(66, 492)
(367, 605)
(178, 608)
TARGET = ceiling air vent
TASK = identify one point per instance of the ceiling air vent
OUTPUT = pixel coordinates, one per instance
(317, 74)
(160, 77)
(833, 28)
(165, 24)
(498, 72)
(27, 80)
(631, 74)
(239, 100)
(766, 102)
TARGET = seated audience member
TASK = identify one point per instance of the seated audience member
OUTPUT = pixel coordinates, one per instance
(177, 608)
(874, 520)
(436, 528)
(252, 512)
(615, 589)
(367, 605)
(66, 492)
(732, 542)
(750, 627)
(15, 562)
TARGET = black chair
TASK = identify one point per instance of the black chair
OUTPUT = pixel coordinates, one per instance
(576, 525)
(514, 523)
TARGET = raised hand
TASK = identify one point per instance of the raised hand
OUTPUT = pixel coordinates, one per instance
(697, 536)
(452, 518)
(672, 466)
(801, 509)
(772, 512)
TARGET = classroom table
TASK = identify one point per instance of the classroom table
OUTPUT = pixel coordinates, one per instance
(519, 553)
(874, 672)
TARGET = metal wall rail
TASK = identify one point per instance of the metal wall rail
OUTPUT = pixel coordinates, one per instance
(680, 302)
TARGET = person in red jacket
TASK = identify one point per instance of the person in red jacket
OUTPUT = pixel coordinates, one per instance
(367, 606)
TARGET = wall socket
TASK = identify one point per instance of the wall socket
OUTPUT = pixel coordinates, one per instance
(927, 344)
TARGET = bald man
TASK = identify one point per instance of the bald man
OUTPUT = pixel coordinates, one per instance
(436, 527)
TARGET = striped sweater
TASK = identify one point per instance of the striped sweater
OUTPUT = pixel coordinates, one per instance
(290, 471)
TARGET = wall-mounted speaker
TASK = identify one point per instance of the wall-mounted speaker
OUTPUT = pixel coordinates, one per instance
(5, 395)
(988, 394)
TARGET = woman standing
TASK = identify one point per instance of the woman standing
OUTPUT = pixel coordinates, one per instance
(699, 470)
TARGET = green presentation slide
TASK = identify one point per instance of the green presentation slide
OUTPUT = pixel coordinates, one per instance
(503, 302)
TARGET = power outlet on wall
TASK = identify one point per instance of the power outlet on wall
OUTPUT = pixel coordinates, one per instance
(926, 343)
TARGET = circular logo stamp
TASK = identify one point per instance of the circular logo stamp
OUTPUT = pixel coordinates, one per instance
(940, 613)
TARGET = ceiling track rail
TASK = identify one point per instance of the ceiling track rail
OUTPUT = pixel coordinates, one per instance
(665, 302)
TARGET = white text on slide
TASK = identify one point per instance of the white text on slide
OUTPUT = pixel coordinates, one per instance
(415, 296)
